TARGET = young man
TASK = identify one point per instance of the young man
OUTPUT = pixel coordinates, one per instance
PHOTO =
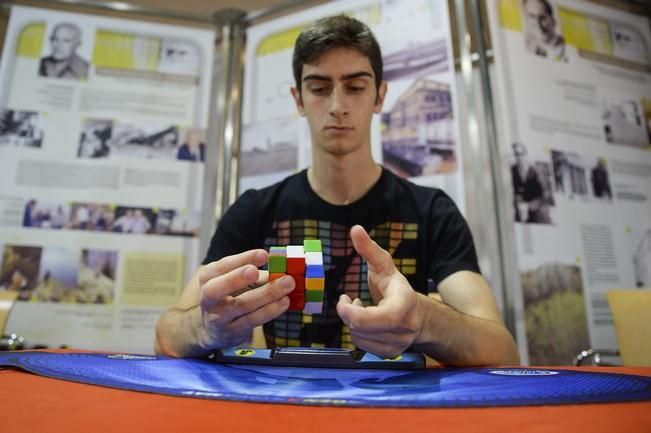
(376, 295)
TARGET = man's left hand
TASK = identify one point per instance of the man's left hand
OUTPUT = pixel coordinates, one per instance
(395, 321)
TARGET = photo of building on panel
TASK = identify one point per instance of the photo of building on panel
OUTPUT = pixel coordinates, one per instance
(417, 59)
(581, 177)
(418, 132)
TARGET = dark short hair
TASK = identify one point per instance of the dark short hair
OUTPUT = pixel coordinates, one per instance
(338, 31)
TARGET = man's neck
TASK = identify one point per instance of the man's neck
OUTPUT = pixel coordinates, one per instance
(341, 180)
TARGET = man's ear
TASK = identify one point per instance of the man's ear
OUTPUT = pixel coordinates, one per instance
(381, 93)
(298, 100)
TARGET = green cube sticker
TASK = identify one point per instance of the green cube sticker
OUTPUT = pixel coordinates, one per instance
(312, 245)
(277, 264)
(314, 296)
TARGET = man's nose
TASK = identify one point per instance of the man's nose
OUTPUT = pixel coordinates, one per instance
(338, 103)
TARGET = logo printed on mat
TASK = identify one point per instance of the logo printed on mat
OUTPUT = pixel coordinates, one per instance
(523, 372)
(125, 357)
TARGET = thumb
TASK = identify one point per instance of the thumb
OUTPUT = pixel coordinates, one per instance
(379, 260)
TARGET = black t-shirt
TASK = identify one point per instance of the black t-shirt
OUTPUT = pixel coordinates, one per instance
(421, 227)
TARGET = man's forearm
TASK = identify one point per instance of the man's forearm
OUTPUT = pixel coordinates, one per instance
(177, 333)
(455, 338)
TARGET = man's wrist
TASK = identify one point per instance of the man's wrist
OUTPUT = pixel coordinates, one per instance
(427, 307)
(200, 340)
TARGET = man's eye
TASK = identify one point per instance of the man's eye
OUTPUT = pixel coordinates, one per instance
(319, 90)
(356, 89)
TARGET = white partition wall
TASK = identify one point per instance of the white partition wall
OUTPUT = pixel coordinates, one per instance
(101, 173)
(573, 93)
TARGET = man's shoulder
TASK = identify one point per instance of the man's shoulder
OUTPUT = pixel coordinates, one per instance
(263, 199)
(291, 182)
(403, 186)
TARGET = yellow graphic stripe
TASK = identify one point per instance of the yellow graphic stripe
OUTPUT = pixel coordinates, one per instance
(278, 41)
(374, 15)
(30, 40)
(125, 51)
(585, 32)
(510, 16)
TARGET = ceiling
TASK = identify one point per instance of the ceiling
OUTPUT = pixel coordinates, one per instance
(165, 10)
(207, 7)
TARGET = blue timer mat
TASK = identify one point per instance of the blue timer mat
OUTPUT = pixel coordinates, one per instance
(437, 387)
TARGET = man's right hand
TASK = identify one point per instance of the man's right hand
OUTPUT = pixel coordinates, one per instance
(235, 297)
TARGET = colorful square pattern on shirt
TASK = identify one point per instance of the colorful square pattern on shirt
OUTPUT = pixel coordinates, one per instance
(345, 275)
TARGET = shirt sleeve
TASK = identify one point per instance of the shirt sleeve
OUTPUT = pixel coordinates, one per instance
(236, 230)
(452, 245)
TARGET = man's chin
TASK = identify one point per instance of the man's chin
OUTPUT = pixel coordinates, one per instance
(338, 148)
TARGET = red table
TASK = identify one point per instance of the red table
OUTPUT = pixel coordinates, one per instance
(30, 403)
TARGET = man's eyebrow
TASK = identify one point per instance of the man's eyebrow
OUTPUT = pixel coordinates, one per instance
(316, 77)
(346, 77)
(355, 75)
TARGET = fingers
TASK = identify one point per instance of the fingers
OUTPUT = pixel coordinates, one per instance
(256, 258)
(218, 289)
(231, 275)
(257, 298)
(385, 330)
(386, 317)
(378, 259)
(262, 315)
(263, 278)
(231, 320)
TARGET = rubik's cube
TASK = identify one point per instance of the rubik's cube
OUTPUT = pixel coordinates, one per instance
(305, 264)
